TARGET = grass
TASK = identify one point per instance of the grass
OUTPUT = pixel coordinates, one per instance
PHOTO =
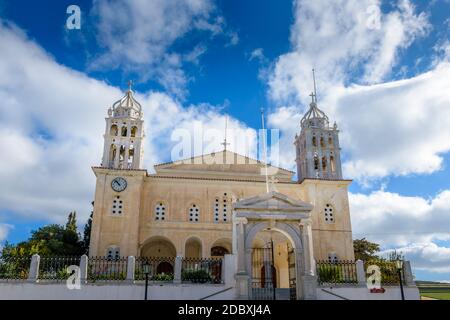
(434, 290)
(437, 295)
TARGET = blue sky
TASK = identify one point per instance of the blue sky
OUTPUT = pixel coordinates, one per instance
(382, 69)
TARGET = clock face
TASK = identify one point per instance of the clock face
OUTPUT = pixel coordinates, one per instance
(119, 184)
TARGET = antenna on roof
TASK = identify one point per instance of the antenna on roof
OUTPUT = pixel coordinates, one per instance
(264, 150)
(225, 143)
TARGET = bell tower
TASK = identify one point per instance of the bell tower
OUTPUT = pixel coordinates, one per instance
(124, 134)
(317, 146)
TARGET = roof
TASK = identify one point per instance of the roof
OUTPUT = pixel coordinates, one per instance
(223, 163)
(128, 106)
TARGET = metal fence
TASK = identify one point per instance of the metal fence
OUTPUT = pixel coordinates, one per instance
(107, 269)
(336, 272)
(14, 268)
(389, 272)
(55, 268)
(198, 270)
(160, 268)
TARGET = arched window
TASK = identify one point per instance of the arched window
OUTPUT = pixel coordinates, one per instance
(225, 208)
(117, 206)
(194, 213)
(322, 142)
(130, 157)
(328, 212)
(124, 131)
(133, 131)
(316, 162)
(216, 209)
(330, 141)
(121, 156)
(221, 208)
(324, 163)
(332, 166)
(112, 155)
(160, 212)
(113, 253)
(314, 141)
(114, 130)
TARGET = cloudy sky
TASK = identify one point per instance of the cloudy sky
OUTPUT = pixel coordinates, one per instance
(383, 74)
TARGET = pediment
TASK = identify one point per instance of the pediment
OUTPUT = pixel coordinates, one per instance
(272, 201)
(222, 163)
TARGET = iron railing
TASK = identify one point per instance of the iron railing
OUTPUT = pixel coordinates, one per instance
(389, 272)
(107, 269)
(55, 268)
(14, 268)
(160, 268)
(198, 270)
(336, 272)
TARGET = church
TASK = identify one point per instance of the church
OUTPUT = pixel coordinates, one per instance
(217, 204)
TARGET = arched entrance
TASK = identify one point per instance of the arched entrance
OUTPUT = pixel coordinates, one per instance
(220, 248)
(159, 253)
(158, 247)
(279, 227)
(273, 278)
(193, 248)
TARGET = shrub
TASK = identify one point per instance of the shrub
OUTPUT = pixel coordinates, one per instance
(196, 276)
(330, 273)
(163, 277)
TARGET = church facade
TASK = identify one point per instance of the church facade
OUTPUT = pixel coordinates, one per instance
(187, 207)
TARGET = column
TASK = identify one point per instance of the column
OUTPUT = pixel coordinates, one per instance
(177, 269)
(309, 280)
(241, 244)
(242, 277)
(307, 247)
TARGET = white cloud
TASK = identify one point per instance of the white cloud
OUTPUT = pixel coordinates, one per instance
(138, 36)
(395, 128)
(257, 54)
(52, 125)
(427, 257)
(391, 218)
(4, 230)
(392, 128)
(410, 225)
(340, 39)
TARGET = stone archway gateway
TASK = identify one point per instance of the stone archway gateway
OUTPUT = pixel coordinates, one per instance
(274, 212)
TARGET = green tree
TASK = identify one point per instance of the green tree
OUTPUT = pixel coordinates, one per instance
(50, 240)
(87, 232)
(365, 250)
(72, 222)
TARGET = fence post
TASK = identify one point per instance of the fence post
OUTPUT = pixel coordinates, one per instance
(360, 273)
(177, 271)
(34, 268)
(131, 265)
(229, 269)
(83, 268)
(408, 275)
